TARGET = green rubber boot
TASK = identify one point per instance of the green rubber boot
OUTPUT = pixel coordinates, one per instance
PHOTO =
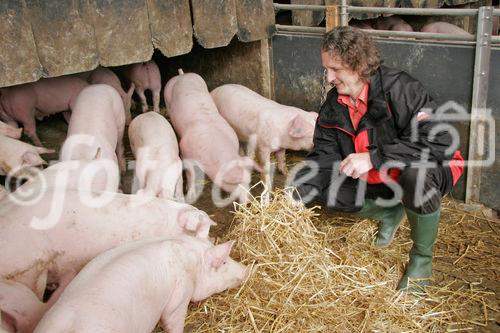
(424, 230)
(389, 220)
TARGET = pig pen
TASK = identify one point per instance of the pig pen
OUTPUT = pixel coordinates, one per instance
(316, 271)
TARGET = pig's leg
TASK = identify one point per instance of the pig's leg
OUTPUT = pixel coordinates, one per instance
(156, 101)
(120, 152)
(252, 146)
(191, 185)
(281, 160)
(142, 97)
(265, 175)
(29, 124)
(153, 184)
(179, 189)
(265, 161)
(67, 116)
(173, 322)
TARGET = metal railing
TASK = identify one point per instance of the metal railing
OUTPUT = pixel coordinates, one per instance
(387, 33)
(483, 41)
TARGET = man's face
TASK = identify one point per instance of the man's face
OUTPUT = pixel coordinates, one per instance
(341, 76)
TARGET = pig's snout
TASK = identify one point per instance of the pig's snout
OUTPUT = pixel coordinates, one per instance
(241, 273)
(238, 173)
(234, 176)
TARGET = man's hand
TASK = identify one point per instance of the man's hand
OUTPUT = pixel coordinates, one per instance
(354, 165)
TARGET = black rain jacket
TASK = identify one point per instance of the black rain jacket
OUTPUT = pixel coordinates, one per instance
(394, 99)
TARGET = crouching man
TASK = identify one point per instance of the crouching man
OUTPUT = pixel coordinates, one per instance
(376, 152)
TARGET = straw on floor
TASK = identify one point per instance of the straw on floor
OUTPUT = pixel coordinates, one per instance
(323, 275)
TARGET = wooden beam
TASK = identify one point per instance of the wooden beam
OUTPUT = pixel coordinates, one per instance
(332, 17)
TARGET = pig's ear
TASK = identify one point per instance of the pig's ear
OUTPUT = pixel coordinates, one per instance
(297, 128)
(32, 159)
(313, 115)
(217, 255)
(204, 224)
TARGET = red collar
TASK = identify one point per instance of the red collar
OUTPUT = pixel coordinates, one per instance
(362, 98)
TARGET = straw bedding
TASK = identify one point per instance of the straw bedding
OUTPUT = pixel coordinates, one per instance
(320, 273)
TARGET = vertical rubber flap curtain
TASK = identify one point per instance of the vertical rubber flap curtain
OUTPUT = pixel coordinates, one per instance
(64, 39)
(18, 57)
(46, 38)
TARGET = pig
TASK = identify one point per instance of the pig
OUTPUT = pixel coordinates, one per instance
(85, 175)
(361, 24)
(132, 287)
(66, 230)
(106, 76)
(11, 131)
(205, 136)
(443, 28)
(16, 155)
(21, 309)
(145, 76)
(394, 23)
(98, 116)
(23, 103)
(158, 167)
(274, 126)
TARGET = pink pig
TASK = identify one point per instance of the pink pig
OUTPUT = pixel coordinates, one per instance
(158, 167)
(205, 136)
(274, 126)
(16, 155)
(20, 308)
(394, 23)
(146, 76)
(443, 28)
(65, 229)
(11, 131)
(95, 175)
(361, 24)
(132, 287)
(96, 127)
(106, 76)
(22, 103)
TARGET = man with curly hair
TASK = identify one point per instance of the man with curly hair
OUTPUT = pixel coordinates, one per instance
(377, 149)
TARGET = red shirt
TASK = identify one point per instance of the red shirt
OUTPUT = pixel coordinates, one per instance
(358, 109)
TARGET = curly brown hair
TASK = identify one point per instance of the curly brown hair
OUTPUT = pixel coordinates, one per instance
(355, 49)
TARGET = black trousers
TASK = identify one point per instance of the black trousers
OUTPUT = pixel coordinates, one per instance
(420, 190)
